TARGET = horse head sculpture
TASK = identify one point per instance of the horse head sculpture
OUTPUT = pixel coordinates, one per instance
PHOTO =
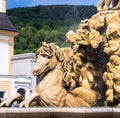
(47, 58)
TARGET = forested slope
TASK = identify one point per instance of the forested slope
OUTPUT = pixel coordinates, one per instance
(46, 23)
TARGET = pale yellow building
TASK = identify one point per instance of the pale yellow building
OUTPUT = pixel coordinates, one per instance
(7, 34)
(9, 83)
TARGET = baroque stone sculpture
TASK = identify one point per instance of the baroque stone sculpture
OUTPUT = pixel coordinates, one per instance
(85, 74)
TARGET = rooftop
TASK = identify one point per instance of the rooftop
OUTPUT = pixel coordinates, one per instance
(5, 23)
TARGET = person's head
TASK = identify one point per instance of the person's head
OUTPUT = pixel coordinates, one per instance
(21, 91)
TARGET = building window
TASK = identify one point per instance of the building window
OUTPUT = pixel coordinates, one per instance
(2, 94)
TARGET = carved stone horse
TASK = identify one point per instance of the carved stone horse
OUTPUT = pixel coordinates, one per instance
(50, 92)
(50, 67)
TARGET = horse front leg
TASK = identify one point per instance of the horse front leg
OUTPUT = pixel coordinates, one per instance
(27, 102)
(8, 102)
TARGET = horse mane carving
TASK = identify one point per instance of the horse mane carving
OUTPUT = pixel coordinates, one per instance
(49, 50)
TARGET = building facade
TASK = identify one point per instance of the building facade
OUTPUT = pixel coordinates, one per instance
(16, 70)
(22, 64)
(7, 34)
(9, 85)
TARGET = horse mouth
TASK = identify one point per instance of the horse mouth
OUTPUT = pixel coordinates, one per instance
(40, 73)
(37, 73)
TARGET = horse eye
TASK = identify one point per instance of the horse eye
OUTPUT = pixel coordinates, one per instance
(43, 55)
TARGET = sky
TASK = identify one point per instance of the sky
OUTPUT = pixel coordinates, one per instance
(29, 3)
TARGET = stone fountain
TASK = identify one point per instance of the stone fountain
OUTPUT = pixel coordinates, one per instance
(82, 80)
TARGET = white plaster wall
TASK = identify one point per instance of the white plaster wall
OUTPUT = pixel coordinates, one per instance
(23, 64)
(22, 67)
(4, 57)
(1, 5)
(4, 37)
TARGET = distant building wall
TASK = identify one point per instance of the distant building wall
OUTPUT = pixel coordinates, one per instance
(4, 56)
(3, 6)
(7, 34)
(6, 51)
(5, 87)
(22, 64)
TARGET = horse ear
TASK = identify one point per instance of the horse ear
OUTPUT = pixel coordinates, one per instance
(44, 44)
(60, 55)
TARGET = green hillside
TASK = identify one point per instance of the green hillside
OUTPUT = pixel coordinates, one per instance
(46, 23)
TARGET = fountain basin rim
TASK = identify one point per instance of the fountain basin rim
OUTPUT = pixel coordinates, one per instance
(60, 112)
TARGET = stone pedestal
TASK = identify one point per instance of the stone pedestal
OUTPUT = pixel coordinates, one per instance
(101, 112)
